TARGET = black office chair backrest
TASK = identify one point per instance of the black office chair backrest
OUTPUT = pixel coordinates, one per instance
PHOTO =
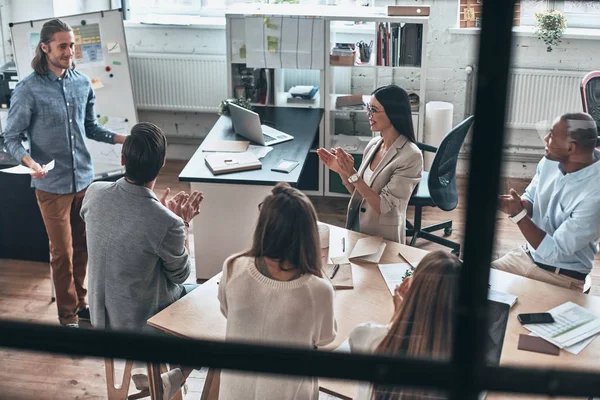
(442, 174)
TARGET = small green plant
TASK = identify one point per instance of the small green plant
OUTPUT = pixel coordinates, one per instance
(550, 27)
(242, 102)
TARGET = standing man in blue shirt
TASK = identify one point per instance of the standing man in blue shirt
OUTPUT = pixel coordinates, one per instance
(559, 213)
(54, 108)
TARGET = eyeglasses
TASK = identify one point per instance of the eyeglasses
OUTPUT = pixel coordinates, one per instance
(371, 110)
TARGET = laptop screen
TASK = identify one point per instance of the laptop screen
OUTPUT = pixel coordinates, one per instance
(497, 321)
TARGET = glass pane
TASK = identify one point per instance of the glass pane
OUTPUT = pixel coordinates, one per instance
(529, 8)
(581, 6)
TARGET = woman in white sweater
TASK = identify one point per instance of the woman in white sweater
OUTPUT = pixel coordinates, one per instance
(422, 325)
(275, 293)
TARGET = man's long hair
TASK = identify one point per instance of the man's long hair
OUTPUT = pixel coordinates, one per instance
(40, 62)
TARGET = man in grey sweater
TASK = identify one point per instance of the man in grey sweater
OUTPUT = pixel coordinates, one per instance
(137, 244)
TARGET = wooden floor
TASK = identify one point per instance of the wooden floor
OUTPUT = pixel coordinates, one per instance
(25, 294)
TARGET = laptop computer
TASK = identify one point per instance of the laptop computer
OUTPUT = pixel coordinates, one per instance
(246, 123)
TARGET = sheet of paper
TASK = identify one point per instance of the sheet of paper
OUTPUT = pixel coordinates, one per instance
(393, 274)
(113, 47)
(97, 84)
(23, 170)
(115, 124)
(272, 35)
(502, 297)
(259, 151)
(340, 260)
(255, 42)
(369, 249)
(366, 246)
(573, 324)
(289, 42)
(88, 46)
(576, 348)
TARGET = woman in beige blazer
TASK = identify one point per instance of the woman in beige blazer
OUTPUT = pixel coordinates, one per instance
(391, 168)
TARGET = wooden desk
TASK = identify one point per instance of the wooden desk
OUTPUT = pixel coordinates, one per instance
(197, 315)
(226, 223)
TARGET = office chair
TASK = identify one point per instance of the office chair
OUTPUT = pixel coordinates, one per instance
(590, 97)
(438, 187)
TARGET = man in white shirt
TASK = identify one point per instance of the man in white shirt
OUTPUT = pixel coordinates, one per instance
(559, 213)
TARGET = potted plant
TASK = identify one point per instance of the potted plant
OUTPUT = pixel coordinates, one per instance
(242, 102)
(550, 27)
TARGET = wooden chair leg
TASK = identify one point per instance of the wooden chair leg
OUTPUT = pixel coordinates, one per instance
(154, 381)
(117, 392)
(211, 385)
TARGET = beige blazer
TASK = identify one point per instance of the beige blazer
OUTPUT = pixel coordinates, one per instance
(395, 179)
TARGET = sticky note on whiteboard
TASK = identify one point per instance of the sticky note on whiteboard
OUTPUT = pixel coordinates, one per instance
(113, 47)
(97, 84)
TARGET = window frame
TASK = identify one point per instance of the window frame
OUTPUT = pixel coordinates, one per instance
(574, 20)
(464, 375)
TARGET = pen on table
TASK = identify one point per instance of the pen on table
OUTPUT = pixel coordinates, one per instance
(343, 244)
(335, 270)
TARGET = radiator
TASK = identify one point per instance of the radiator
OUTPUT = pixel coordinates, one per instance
(177, 82)
(536, 95)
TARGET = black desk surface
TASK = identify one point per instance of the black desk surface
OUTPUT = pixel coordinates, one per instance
(301, 123)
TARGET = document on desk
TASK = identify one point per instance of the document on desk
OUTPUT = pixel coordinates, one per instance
(369, 249)
(23, 170)
(227, 146)
(502, 297)
(572, 324)
(259, 151)
(393, 274)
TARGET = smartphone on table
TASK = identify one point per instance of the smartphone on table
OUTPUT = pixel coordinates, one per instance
(535, 318)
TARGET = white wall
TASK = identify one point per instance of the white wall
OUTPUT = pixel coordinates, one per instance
(448, 55)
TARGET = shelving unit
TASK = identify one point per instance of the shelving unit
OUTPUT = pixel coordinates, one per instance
(364, 79)
(330, 25)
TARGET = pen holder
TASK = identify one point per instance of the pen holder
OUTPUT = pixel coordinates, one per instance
(323, 235)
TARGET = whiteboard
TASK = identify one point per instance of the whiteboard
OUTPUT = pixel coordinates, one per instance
(101, 54)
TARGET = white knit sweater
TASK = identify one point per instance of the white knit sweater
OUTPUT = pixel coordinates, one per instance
(291, 313)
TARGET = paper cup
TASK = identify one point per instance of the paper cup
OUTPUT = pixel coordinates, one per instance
(323, 235)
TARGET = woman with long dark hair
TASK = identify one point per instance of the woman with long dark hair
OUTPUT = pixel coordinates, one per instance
(391, 168)
(275, 293)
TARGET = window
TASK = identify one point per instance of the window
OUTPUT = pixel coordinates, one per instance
(579, 13)
(143, 9)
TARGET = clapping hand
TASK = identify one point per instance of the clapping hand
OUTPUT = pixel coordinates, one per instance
(511, 204)
(182, 204)
(328, 159)
(345, 161)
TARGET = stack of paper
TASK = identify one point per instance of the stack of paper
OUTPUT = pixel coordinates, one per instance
(369, 249)
(502, 297)
(572, 324)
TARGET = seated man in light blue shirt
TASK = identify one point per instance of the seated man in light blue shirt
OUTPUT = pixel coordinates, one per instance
(559, 213)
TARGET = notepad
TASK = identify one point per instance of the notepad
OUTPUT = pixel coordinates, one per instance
(221, 163)
(369, 249)
(393, 274)
(343, 277)
(226, 146)
(502, 297)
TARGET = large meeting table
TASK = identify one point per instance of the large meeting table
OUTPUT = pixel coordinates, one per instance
(198, 314)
